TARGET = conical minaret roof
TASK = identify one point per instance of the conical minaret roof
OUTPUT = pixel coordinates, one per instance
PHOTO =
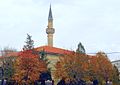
(50, 14)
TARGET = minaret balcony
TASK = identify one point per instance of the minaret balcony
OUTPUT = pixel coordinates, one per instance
(50, 30)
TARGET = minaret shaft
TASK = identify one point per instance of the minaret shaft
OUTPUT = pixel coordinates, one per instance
(50, 40)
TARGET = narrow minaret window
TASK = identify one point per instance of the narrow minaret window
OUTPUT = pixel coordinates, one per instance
(50, 30)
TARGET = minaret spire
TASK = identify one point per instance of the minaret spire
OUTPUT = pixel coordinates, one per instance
(50, 30)
(50, 14)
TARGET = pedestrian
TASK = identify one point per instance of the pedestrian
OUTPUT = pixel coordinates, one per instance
(42, 82)
(48, 82)
(0, 82)
(95, 82)
(52, 82)
(109, 82)
(4, 81)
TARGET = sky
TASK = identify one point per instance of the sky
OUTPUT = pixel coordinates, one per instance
(94, 23)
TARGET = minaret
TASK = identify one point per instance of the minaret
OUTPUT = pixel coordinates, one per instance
(50, 30)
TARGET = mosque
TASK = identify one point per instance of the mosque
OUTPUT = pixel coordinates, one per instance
(52, 53)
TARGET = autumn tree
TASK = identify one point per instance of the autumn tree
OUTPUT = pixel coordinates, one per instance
(92, 67)
(28, 65)
(72, 66)
(82, 66)
(101, 68)
(7, 61)
(115, 77)
(105, 66)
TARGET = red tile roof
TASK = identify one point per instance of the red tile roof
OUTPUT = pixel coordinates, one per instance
(13, 54)
(55, 50)
(47, 49)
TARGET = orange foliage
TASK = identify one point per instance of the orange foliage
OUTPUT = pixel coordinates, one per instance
(28, 67)
(77, 65)
(72, 65)
(100, 67)
(105, 66)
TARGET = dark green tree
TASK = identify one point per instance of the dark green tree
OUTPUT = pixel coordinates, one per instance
(29, 43)
(43, 56)
(80, 48)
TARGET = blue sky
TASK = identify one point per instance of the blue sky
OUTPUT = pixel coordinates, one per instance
(95, 23)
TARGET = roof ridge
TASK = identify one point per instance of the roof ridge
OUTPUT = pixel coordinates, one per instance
(53, 49)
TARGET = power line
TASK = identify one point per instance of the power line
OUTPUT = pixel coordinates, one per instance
(107, 53)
